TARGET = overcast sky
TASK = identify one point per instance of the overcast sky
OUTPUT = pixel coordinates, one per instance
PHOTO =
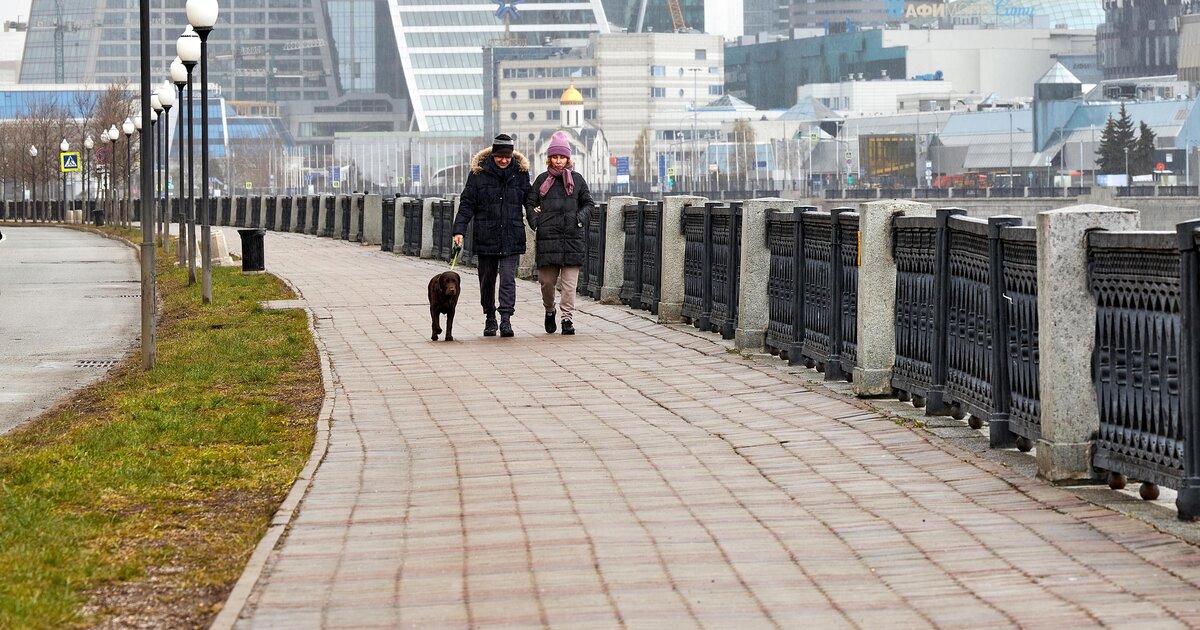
(10, 9)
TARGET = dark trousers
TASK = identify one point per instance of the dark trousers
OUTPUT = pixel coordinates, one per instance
(506, 267)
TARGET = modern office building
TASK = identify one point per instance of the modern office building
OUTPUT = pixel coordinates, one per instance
(980, 61)
(652, 16)
(441, 51)
(849, 15)
(1140, 38)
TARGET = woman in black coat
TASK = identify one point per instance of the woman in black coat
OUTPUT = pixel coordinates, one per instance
(492, 199)
(558, 207)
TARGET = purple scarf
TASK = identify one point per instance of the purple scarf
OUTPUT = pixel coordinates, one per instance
(564, 174)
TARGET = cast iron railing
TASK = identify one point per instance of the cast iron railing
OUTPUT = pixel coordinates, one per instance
(330, 208)
(387, 234)
(711, 266)
(285, 214)
(255, 211)
(226, 210)
(413, 217)
(1019, 268)
(344, 209)
(301, 209)
(360, 216)
(592, 278)
(1135, 279)
(443, 228)
(314, 214)
(914, 242)
(270, 207)
(239, 212)
(643, 246)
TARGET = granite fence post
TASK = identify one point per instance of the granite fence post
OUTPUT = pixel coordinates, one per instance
(877, 293)
(670, 290)
(1067, 337)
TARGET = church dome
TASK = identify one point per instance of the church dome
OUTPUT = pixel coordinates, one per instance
(571, 96)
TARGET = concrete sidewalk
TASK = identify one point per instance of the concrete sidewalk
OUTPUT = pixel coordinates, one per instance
(639, 475)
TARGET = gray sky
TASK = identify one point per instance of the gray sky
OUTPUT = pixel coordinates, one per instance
(10, 9)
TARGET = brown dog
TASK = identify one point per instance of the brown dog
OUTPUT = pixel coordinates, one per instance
(443, 297)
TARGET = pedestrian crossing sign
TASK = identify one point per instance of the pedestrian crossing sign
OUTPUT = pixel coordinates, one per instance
(69, 162)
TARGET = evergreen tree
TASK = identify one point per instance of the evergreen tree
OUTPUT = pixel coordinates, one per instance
(1114, 140)
(1141, 156)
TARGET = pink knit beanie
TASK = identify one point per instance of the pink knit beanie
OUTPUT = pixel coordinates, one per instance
(559, 145)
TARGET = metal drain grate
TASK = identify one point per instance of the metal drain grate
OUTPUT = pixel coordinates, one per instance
(96, 363)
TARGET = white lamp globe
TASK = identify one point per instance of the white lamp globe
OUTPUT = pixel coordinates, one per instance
(155, 102)
(188, 46)
(137, 122)
(32, 151)
(113, 134)
(88, 143)
(153, 116)
(64, 146)
(104, 136)
(127, 127)
(179, 73)
(166, 95)
(202, 13)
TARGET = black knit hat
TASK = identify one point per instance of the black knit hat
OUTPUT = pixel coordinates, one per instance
(502, 145)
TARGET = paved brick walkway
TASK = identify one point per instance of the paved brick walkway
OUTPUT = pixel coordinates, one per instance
(636, 475)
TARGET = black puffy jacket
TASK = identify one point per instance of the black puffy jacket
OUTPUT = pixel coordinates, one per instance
(561, 237)
(492, 199)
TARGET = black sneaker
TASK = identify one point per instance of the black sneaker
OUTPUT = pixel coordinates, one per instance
(550, 327)
(505, 328)
(489, 327)
(568, 327)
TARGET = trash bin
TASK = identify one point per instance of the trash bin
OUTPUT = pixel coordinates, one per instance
(252, 249)
(98, 217)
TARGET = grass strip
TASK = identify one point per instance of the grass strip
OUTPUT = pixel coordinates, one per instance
(138, 501)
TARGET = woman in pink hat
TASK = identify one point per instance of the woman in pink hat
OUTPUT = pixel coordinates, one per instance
(558, 206)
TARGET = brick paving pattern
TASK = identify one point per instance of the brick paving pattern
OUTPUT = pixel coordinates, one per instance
(638, 475)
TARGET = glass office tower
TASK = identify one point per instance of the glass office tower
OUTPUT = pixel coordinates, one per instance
(441, 50)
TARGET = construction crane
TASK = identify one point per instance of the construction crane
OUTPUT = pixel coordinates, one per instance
(60, 27)
(677, 21)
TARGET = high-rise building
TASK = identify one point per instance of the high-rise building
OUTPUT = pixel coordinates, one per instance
(441, 51)
(1141, 38)
(653, 16)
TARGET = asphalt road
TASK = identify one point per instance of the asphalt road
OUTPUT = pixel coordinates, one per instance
(69, 309)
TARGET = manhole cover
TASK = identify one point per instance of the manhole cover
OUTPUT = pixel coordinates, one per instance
(96, 363)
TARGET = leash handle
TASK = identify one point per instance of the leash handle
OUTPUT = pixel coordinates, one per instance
(456, 250)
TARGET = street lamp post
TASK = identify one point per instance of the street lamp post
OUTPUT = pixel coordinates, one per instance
(188, 49)
(127, 128)
(63, 147)
(155, 109)
(1128, 182)
(146, 153)
(113, 136)
(202, 15)
(179, 77)
(104, 203)
(88, 145)
(167, 98)
(33, 175)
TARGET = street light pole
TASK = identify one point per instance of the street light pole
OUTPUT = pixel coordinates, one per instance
(88, 144)
(63, 147)
(155, 109)
(1128, 183)
(127, 128)
(202, 15)
(33, 175)
(167, 98)
(188, 49)
(146, 149)
(113, 136)
(179, 77)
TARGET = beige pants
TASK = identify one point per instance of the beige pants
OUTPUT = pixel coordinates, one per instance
(550, 276)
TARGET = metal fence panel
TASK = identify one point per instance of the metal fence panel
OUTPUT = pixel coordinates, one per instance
(969, 330)
(593, 271)
(781, 282)
(848, 226)
(1020, 289)
(915, 248)
(388, 228)
(1135, 280)
(818, 317)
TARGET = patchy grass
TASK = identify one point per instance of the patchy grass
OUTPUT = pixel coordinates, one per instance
(138, 501)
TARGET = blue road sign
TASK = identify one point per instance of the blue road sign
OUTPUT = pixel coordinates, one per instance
(662, 166)
(69, 161)
(622, 166)
(335, 173)
(415, 173)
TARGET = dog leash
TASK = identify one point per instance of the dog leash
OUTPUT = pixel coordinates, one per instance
(456, 250)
